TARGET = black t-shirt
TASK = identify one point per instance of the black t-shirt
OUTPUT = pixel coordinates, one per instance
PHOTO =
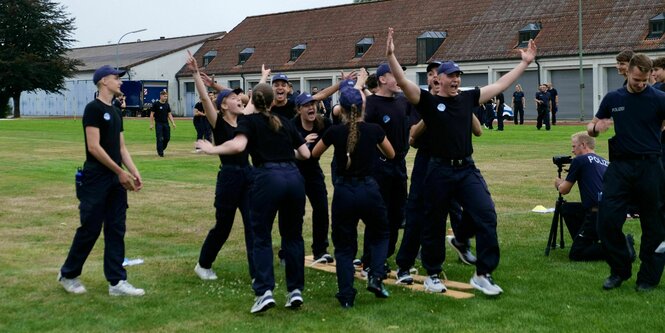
(266, 145)
(517, 98)
(545, 98)
(637, 119)
(448, 121)
(311, 163)
(588, 170)
(392, 114)
(199, 106)
(499, 104)
(161, 111)
(287, 110)
(108, 120)
(553, 94)
(223, 132)
(365, 152)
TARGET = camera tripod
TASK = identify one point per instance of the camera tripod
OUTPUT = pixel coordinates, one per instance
(557, 221)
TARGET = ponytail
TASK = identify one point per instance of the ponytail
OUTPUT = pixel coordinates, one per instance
(262, 97)
(352, 139)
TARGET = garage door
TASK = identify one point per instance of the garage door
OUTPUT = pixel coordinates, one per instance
(567, 83)
(529, 82)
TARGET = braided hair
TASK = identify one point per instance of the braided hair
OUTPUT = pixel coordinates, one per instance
(352, 139)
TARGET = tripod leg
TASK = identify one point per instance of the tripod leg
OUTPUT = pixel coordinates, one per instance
(551, 240)
(561, 222)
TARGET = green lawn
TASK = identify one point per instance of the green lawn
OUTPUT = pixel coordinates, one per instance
(168, 220)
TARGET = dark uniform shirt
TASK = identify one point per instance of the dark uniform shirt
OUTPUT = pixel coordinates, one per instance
(161, 111)
(287, 110)
(392, 114)
(637, 119)
(311, 163)
(266, 145)
(107, 119)
(588, 171)
(200, 119)
(499, 105)
(545, 98)
(553, 94)
(517, 98)
(223, 132)
(364, 154)
(448, 121)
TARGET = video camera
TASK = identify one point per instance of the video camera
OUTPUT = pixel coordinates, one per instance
(561, 160)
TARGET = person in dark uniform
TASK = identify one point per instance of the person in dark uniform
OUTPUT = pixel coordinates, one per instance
(451, 171)
(554, 98)
(488, 108)
(519, 102)
(635, 175)
(102, 187)
(499, 101)
(119, 102)
(390, 110)
(201, 124)
(587, 168)
(543, 105)
(357, 195)
(233, 178)
(282, 105)
(312, 125)
(277, 186)
(160, 115)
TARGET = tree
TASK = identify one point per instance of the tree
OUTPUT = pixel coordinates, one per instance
(34, 37)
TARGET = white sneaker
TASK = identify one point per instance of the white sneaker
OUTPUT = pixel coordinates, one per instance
(263, 303)
(294, 299)
(205, 273)
(434, 285)
(486, 284)
(73, 286)
(123, 288)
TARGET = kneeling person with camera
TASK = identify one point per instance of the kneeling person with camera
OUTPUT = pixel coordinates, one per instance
(588, 169)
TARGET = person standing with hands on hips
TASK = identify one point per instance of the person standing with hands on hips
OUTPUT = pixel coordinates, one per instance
(635, 175)
(102, 190)
(160, 115)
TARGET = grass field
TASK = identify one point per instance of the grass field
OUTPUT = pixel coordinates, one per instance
(168, 220)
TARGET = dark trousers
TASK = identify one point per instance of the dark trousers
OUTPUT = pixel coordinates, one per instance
(641, 182)
(203, 130)
(586, 245)
(231, 193)
(315, 189)
(518, 111)
(277, 187)
(103, 204)
(415, 215)
(466, 185)
(555, 109)
(543, 117)
(163, 134)
(489, 117)
(353, 200)
(390, 175)
(499, 118)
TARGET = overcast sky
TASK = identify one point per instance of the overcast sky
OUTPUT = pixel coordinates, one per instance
(169, 18)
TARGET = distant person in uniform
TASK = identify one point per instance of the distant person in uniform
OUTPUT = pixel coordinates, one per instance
(500, 102)
(519, 102)
(160, 115)
(554, 98)
(543, 105)
(201, 124)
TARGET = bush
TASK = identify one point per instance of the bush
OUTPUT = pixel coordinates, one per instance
(5, 111)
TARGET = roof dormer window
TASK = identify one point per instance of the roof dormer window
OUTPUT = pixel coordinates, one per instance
(427, 43)
(297, 51)
(208, 57)
(530, 31)
(363, 45)
(656, 26)
(245, 54)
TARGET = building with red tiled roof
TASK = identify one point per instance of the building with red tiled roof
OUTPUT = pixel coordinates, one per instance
(312, 46)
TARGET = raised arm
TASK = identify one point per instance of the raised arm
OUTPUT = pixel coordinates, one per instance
(507, 80)
(265, 72)
(327, 92)
(410, 89)
(208, 105)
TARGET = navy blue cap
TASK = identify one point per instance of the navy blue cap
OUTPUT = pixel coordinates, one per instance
(105, 70)
(383, 69)
(350, 96)
(221, 95)
(449, 67)
(432, 65)
(280, 77)
(347, 84)
(304, 98)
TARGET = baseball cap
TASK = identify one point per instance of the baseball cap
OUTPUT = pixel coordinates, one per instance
(384, 68)
(350, 96)
(221, 95)
(449, 67)
(304, 98)
(280, 77)
(105, 70)
(433, 64)
(347, 84)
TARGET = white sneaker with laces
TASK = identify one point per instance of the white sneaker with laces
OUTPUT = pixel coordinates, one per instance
(263, 303)
(486, 284)
(294, 299)
(73, 286)
(205, 273)
(434, 285)
(123, 288)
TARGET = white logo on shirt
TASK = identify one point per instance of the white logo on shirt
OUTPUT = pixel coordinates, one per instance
(441, 107)
(107, 116)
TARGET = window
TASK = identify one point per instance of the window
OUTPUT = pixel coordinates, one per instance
(530, 31)
(234, 84)
(245, 54)
(363, 45)
(207, 58)
(189, 87)
(427, 43)
(297, 51)
(656, 26)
